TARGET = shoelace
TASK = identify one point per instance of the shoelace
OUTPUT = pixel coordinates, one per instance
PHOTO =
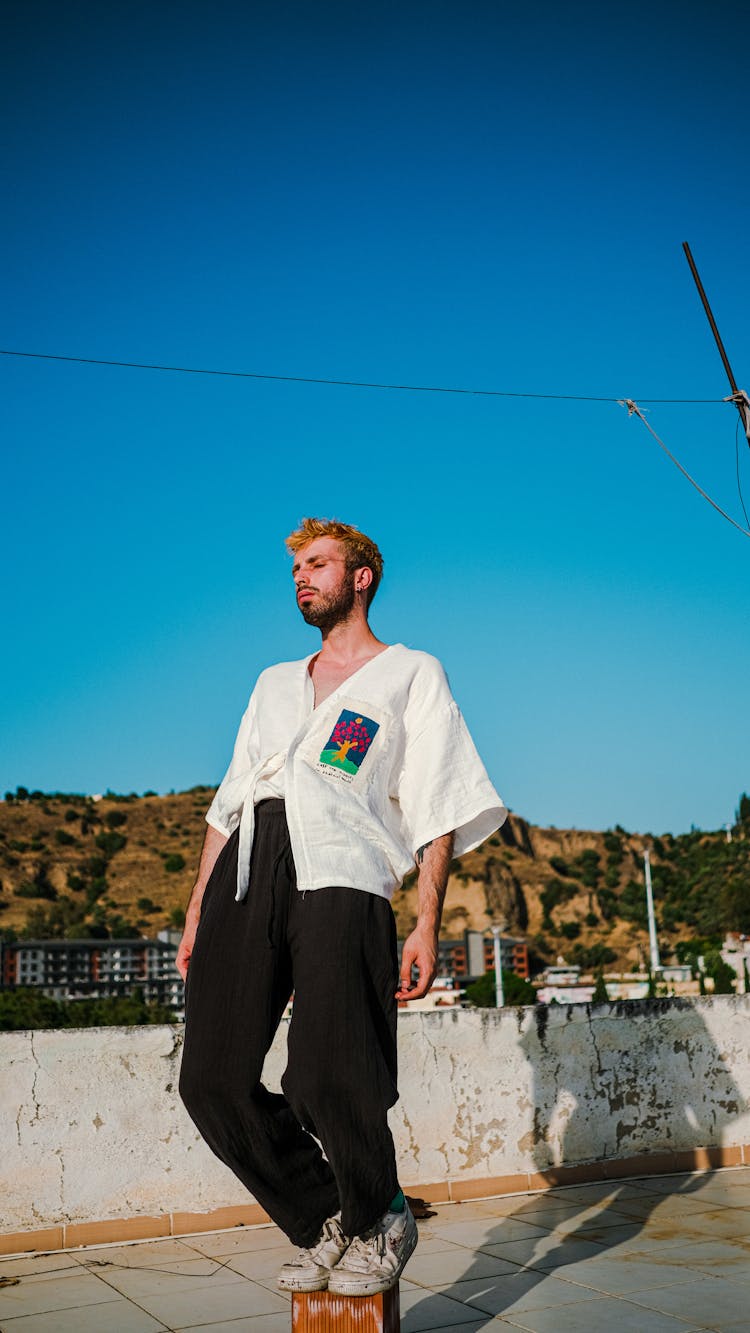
(328, 1232)
(359, 1247)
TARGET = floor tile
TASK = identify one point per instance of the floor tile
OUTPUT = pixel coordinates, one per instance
(729, 1223)
(719, 1258)
(436, 1270)
(671, 1206)
(500, 1207)
(708, 1302)
(236, 1300)
(432, 1244)
(37, 1265)
(584, 1218)
(262, 1323)
(548, 1252)
(604, 1194)
(75, 1289)
(113, 1316)
(698, 1180)
(424, 1313)
(625, 1273)
(593, 1316)
(260, 1264)
(480, 1234)
(239, 1238)
(546, 1199)
(146, 1254)
(485, 1325)
(507, 1294)
(192, 1275)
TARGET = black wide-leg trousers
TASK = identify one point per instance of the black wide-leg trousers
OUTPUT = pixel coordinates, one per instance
(336, 949)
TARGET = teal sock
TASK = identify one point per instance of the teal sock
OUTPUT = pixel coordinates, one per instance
(398, 1204)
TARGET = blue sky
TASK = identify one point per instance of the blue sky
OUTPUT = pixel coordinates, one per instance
(443, 194)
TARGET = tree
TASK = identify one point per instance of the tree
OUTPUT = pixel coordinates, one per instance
(481, 993)
(601, 994)
(743, 813)
(349, 743)
(722, 974)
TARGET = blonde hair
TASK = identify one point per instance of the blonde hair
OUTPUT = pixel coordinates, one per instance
(359, 551)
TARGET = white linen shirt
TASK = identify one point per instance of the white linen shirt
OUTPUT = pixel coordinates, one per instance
(384, 765)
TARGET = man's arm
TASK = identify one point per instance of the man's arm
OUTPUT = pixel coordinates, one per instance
(212, 845)
(421, 947)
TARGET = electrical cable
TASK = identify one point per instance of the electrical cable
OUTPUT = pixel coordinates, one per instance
(634, 410)
(629, 403)
(350, 384)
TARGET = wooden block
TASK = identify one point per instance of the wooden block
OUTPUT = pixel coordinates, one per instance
(324, 1312)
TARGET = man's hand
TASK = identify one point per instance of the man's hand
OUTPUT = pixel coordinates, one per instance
(186, 948)
(421, 948)
(213, 844)
(420, 951)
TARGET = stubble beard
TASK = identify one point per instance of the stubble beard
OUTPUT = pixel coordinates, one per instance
(330, 609)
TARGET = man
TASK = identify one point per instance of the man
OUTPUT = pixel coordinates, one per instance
(349, 766)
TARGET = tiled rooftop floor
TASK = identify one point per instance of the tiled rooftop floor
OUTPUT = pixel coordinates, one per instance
(652, 1255)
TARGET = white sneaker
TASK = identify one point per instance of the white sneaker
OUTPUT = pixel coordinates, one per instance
(310, 1269)
(374, 1262)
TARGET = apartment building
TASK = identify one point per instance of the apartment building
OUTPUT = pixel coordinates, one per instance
(74, 969)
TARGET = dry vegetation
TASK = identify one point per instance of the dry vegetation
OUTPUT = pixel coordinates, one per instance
(72, 866)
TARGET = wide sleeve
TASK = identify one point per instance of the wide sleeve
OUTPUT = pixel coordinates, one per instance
(225, 809)
(444, 785)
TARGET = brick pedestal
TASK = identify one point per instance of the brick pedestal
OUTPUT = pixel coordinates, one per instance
(323, 1312)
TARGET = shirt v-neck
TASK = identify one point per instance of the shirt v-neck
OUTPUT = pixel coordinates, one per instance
(309, 683)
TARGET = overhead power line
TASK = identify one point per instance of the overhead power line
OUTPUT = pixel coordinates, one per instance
(635, 411)
(632, 406)
(349, 384)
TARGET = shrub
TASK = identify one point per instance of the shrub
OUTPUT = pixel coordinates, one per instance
(560, 865)
(481, 993)
(64, 838)
(37, 887)
(588, 865)
(111, 842)
(613, 846)
(570, 929)
(115, 818)
(633, 903)
(174, 863)
(596, 955)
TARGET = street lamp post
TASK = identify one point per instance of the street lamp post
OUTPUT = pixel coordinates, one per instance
(496, 929)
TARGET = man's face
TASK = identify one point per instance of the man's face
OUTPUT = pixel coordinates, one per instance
(325, 590)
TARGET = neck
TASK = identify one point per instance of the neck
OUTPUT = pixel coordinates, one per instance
(350, 639)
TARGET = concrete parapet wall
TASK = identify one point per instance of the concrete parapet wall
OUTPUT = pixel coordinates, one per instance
(93, 1128)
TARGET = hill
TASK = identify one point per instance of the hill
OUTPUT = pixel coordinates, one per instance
(122, 865)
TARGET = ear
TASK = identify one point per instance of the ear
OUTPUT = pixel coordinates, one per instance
(363, 579)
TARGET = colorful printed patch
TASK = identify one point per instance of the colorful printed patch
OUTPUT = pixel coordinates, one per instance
(349, 742)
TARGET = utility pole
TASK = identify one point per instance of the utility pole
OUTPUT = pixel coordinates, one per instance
(653, 943)
(738, 396)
